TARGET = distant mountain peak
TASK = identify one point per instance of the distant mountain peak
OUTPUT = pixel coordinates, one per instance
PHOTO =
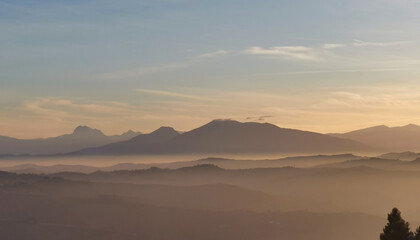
(408, 126)
(224, 120)
(374, 128)
(411, 125)
(85, 130)
(230, 122)
(130, 133)
(395, 139)
(82, 137)
(166, 131)
(381, 126)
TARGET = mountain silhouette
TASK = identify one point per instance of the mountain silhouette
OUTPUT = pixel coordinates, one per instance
(87, 131)
(144, 143)
(228, 136)
(81, 138)
(404, 138)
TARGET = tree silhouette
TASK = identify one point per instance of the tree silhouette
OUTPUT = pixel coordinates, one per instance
(417, 234)
(396, 228)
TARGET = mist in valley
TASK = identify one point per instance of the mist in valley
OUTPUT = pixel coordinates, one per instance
(178, 197)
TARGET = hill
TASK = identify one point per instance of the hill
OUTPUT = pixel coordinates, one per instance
(380, 163)
(405, 156)
(378, 188)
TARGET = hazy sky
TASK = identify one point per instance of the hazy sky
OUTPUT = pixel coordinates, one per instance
(326, 66)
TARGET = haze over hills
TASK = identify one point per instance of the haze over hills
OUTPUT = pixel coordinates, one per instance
(228, 136)
(296, 161)
(82, 137)
(378, 188)
(108, 206)
(405, 156)
(404, 138)
(380, 163)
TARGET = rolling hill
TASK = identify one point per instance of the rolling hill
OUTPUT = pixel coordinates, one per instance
(296, 161)
(53, 208)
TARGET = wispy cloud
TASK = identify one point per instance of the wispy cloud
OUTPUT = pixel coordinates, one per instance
(57, 107)
(259, 118)
(288, 52)
(213, 54)
(141, 71)
(333, 45)
(360, 43)
(325, 51)
(348, 95)
(327, 71)
(169, 94)
(296, 53)
(159, 68)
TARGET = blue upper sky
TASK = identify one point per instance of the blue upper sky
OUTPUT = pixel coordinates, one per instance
(315, 65)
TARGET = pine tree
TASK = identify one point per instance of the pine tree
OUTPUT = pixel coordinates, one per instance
(396, 228)
(417, 234)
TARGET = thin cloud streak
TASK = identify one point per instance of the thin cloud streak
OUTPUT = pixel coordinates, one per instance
(147, 70)
(170, 94)
(315, 53)
(288, 52)
(213, 54)
(340, 71)
(294, 53)
(360, 43)
(137, 72)
(333, 45)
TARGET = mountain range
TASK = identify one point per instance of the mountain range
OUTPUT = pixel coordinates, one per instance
(228, 136)
(218, 136)
(82, 137)
(404, 138)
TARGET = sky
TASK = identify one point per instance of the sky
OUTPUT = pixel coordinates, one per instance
(324, 66)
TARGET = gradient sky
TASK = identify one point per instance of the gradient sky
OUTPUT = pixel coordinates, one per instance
(326, 66)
